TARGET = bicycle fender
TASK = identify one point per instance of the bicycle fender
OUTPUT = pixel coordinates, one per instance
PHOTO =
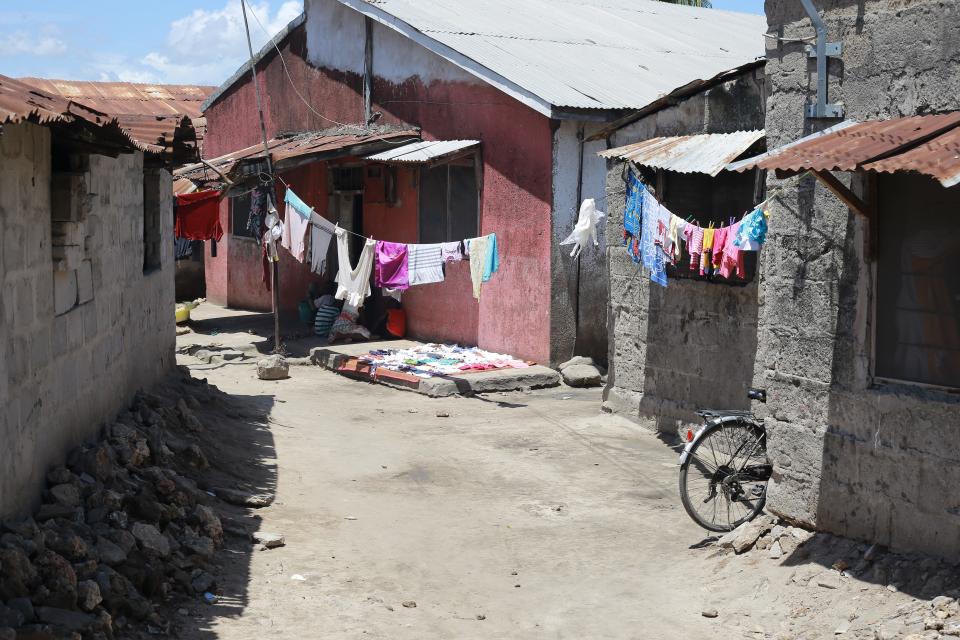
(699, 434)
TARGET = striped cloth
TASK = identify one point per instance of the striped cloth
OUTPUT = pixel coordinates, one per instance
(425, 263)
(326, 315)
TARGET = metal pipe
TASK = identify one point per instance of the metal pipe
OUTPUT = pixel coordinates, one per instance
(821, 49)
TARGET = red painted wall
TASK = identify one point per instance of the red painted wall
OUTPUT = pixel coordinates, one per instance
(514, 313)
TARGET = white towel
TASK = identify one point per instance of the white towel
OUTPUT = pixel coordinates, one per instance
(425, 263)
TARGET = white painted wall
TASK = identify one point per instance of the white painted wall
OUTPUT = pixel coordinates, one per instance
(336, 40)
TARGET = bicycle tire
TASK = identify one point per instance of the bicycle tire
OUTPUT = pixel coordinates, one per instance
(694, 458)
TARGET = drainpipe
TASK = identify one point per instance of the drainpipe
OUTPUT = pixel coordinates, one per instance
(822, 50)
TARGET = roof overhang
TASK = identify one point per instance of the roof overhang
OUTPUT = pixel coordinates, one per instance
(929, 145)
(290, 152)
(426, 152)
(708, 153)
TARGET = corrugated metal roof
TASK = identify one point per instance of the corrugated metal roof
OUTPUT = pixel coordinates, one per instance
(925, 144)
(581, 54)
(424, 151)
(21, 102)
(939, 158)
(128, 98)
(295, 150)
(704, 153)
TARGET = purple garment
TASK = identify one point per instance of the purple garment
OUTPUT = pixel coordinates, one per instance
(390, 266)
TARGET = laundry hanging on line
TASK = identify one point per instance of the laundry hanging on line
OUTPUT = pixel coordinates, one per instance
(652, 235)
(198, 216)
(395, 266)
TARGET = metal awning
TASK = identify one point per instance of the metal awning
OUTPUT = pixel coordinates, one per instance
(926, 144)
(426, 151)
(293, 151)
(707, 153)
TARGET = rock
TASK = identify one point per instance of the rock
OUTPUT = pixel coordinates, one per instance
(775, 552)
(269, 540)
(745, 536)
(203, 582)
(209, 522)
(942, 602)
(6, 633)
(710, 613)
(18, 576)
(88, 595)
(98, 461)
(581, 375)
(842, 628)
(200, 545)
(828, 580)
(577, 360)
(10, 617)
(64, 618)
(124, 540)
(151, 539)
(51, 511)
(244, 498)
(68, 545)
(25, 607)
(66, 494)
(59, 578)
(410, 604)
(109, 552)
(273, 367)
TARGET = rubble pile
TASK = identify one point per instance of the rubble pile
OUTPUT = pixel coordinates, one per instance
(123, 528)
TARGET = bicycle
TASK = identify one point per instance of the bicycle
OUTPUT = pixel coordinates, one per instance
(724, 469)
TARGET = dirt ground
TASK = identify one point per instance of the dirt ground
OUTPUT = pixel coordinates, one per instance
(521, 515)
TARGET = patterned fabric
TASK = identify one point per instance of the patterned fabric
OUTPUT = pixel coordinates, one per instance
(425, 263)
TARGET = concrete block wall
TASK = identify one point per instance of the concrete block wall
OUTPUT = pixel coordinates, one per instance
(691, 345)
(62, 376)
(873, 461)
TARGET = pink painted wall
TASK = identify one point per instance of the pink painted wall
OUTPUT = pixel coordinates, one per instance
(514, 313)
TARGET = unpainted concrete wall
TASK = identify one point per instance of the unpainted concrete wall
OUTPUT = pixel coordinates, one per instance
(691, 345)
(871, 461)
(61, 376)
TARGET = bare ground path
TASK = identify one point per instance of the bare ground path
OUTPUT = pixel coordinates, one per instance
(522, 515)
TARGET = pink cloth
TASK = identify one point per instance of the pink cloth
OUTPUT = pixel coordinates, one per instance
(731, 262)
(694, 238)
(719, 243)
(390, 266)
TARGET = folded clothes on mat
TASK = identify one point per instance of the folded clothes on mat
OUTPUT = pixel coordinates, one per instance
(428, 360)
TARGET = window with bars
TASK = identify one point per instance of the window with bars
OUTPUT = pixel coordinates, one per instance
(449, 202)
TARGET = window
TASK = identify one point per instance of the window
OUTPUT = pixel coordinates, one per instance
(918, 284)
(239, 214)
(707, 199)
(449, 202)
(69, 206)
(151, 220)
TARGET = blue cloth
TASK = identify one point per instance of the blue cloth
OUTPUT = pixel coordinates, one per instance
(631, 215)
(492, 264)
(298, 205)
(753, 231)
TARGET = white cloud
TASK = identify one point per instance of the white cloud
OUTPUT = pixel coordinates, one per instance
(208, 46)
(44, 42)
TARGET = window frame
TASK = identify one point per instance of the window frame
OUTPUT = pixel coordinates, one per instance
(869, 185)
(233, 232)
(468, 161)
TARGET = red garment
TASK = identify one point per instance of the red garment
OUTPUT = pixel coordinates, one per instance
(198, 216)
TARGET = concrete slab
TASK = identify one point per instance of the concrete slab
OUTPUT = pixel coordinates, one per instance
(338, 358)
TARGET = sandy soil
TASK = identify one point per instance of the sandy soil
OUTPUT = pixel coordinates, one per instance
(522, 515)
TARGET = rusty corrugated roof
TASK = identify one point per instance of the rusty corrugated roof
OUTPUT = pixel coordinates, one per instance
(926, 144)
(292, 151)
(21, 102)
(707, 153)
(128, 98)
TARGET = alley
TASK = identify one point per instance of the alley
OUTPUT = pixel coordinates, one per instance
(521, 515)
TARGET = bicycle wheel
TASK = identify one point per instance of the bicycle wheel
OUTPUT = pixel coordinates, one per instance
(723, 481)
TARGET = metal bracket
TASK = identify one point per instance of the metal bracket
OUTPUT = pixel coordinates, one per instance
(830, 110)
(831, 49)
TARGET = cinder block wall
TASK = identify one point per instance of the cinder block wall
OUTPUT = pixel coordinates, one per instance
(62, 376)
(878, 463)
(691, 345)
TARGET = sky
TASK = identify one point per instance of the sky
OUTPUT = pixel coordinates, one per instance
(169, 41)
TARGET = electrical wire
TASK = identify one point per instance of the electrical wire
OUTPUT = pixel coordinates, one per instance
(293, 85)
